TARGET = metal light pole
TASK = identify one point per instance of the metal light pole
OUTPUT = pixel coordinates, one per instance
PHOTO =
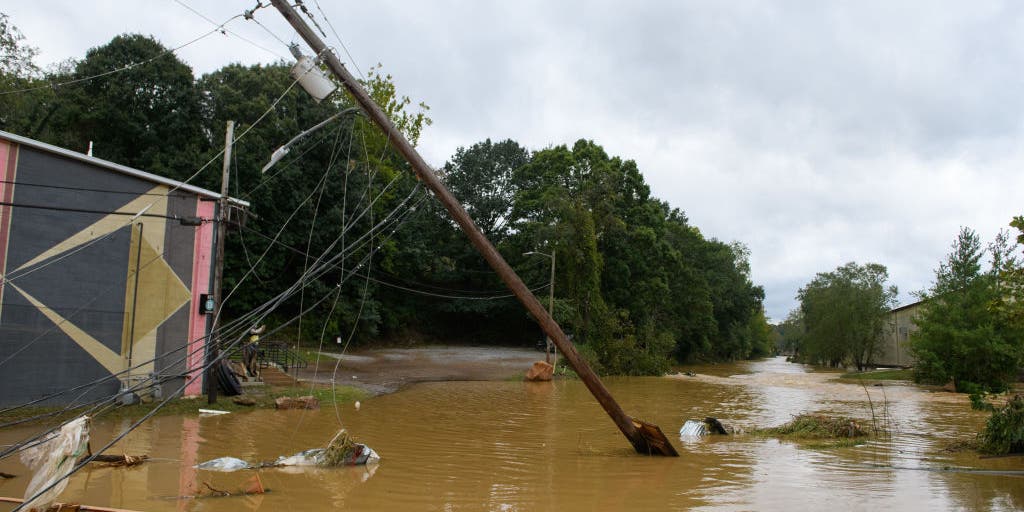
(551, 300)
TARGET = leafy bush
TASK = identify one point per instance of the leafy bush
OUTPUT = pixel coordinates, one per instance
(1004, 431)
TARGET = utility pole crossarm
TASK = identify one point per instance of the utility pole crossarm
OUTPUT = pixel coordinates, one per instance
(645, 438)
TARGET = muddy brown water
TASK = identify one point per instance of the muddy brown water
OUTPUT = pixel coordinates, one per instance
(523, 447)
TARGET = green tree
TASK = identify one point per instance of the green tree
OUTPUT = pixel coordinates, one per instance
(481, 178)
(335, 185)
(844, 314)
(962, 335)
(436, 255)
(642, 284)
(24, 95)
(147, 116)
(791, 332)
(16, 58)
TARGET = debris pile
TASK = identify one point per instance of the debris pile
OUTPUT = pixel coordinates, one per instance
(342, 450)
(540, 372)
(817, 426)
(297, 402)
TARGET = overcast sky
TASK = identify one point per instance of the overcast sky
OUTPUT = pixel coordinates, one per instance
(816, 133)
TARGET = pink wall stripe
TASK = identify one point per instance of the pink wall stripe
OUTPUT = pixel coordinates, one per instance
(201, 269)
(8, 171)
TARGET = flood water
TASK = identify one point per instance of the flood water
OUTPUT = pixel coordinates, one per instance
(548, 446)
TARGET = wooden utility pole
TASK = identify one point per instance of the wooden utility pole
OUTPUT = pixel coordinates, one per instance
(646, 438)
(551, 306)
(213, 342)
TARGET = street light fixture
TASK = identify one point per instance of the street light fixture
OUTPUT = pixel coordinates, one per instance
(551, 299)
(280, 152)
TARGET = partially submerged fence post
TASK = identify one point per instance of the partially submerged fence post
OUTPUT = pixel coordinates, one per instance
(646, 438)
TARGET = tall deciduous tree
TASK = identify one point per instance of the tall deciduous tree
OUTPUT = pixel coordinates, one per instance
(146, 116)
(844, 314)
(25, 97)
(481, 177)
(962, 334)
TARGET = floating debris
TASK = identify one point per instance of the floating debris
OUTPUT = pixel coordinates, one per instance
(816, 426)
(212, 412)
(51, 460)
(341, 451)
(695, 428)
(225, 464)
(123, 460)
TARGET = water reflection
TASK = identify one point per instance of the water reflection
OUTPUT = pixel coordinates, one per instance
(549, 446)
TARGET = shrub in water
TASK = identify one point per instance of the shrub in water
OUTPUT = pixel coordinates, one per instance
(1004, 431)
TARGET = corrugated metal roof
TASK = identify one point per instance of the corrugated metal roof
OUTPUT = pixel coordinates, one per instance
(99, 162)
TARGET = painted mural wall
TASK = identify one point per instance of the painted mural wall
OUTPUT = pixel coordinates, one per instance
(95, 296)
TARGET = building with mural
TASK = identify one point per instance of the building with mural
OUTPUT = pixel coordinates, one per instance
(104, 268)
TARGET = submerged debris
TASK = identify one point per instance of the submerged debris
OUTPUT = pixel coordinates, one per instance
(297, 402)
(123, 460)
(817, 426)
(225, 464)
(695, 428)
(540, 372)
(341, 451)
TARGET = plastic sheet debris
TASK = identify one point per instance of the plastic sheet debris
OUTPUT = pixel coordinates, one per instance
(225, 464)
(52, 460)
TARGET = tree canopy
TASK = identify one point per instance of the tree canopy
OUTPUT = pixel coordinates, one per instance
(969, 329)
(843, 315)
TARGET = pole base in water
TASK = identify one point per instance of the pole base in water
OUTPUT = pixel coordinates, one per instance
(650, 440)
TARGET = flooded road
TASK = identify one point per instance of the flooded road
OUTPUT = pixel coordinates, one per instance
(549, 446)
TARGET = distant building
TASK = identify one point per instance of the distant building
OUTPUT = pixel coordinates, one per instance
(900, 323)
(103, 270)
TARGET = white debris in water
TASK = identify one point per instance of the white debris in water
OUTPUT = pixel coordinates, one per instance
(51, 460)
(693, 428)
(313, 457)
(225, 464)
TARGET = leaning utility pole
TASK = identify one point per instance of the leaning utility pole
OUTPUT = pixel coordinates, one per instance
(645, 437)
(213, 341)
